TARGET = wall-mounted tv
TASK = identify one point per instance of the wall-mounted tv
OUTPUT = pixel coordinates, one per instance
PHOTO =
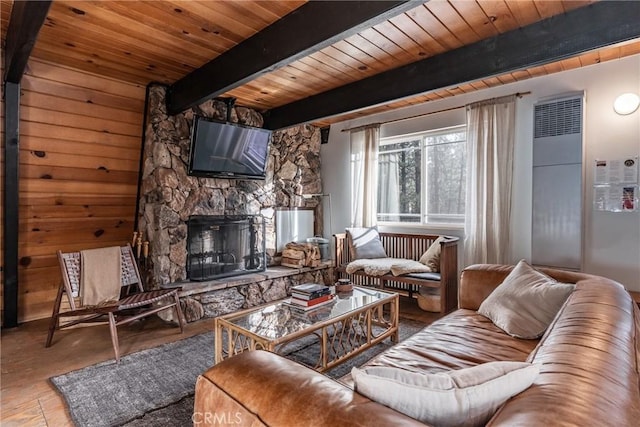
(228, 150)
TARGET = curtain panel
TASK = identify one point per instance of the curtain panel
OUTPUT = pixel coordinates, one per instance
(388, 186)
(364, 175)
(490, 139)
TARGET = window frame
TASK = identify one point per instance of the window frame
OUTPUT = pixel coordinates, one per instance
(423, 135)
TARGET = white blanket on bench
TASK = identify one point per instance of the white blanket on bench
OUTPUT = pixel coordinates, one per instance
(382, 266)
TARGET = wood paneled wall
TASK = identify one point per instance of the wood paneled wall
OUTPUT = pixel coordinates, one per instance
(2, 193)
(80, 137)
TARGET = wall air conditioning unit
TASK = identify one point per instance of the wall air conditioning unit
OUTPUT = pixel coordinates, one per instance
(556, 239)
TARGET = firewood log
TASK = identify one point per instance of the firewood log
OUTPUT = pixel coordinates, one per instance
(293, 263)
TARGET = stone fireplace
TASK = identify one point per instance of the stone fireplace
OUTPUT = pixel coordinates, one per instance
(221, 246)
(169, 197)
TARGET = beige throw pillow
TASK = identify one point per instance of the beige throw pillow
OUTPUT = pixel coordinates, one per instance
(466, 397)
(365, 243)
(431, 258)
(526, 302)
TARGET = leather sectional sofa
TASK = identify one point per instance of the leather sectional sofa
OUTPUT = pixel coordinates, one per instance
(589, 360)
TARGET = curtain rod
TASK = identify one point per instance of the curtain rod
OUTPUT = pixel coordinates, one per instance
(518, 94)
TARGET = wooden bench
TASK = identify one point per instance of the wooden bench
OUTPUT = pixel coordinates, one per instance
(408, 246)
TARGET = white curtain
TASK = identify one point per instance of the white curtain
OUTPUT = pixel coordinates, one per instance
(364, 175)
(490, 138)
(389, 185)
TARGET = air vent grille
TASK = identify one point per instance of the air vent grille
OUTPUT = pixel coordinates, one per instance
(558, 118)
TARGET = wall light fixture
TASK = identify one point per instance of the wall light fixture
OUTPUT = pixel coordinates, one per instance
(626, 103)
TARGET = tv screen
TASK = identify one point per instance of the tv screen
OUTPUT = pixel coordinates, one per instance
(227, 150)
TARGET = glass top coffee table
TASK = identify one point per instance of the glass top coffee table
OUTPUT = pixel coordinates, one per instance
(350, 324)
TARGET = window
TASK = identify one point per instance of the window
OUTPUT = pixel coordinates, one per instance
(421, 177)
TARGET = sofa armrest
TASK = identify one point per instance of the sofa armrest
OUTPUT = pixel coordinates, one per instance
(259, 388)
(478, 281)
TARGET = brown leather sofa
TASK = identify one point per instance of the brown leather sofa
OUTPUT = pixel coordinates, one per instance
(589, 366)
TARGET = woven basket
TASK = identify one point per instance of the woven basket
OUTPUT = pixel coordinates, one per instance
(429, 299)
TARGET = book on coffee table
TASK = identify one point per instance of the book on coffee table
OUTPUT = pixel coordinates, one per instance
(309, 288)
(299, 306)
(309, 291)
(311, 302)
(309, 297)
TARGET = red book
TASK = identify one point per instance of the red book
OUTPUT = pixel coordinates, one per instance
(312, 302)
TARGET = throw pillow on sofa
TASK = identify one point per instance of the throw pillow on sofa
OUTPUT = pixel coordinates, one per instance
(431, 258)
(526, 302)
(365, 243)
(465, 397)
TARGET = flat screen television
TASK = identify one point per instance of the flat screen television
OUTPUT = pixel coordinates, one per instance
(228, 150)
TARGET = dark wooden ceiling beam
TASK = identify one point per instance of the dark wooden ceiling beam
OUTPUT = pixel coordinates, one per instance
(313, 26)
(559, 37)
(25, 22)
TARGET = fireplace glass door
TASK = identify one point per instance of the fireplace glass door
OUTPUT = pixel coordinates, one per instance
(225, 245)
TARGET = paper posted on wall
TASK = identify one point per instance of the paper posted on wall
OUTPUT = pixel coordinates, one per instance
(615, 185)
(616, 171)
(616, 198)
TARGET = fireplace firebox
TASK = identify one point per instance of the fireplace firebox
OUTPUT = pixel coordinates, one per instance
(225, 245)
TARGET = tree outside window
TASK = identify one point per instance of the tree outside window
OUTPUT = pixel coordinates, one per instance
(421, 177)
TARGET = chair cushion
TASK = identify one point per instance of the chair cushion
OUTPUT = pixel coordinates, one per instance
(365, 243)
(526, 302)
(426, 276)
(465, 397)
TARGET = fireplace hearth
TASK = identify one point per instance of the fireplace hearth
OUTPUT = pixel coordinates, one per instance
(225, 245)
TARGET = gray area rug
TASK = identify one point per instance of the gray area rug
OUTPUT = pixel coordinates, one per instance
(109, 394)
(155, 387)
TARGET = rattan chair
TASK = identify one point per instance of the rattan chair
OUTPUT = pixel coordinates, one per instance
(131, 306)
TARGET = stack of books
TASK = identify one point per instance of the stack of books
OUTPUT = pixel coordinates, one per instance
(310, 295)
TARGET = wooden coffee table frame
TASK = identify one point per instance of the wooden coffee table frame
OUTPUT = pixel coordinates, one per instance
(340, 338)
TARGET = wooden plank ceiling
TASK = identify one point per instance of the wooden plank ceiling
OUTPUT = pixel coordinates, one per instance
(162, 41)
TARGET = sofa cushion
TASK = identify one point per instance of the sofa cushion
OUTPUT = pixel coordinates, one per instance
(365, 243)
(459, 340)
(465, 397)
(526, 302)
